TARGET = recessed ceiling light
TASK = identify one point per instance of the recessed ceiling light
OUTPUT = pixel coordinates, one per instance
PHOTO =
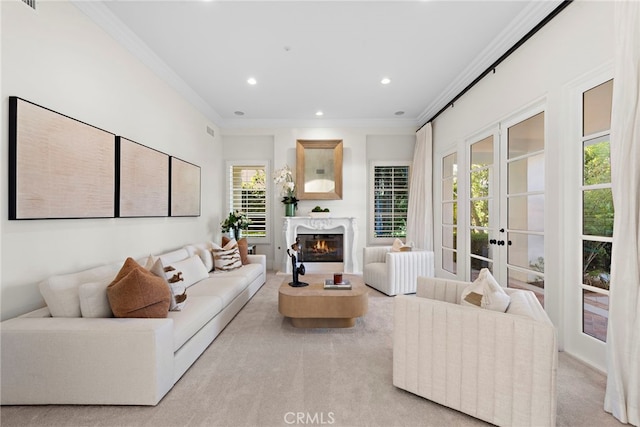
(385, 81)
(239, 113)
(399, 113)
(252, 81)
(319, 113)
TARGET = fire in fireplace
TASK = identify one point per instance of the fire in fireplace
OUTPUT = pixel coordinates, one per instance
(320, 247)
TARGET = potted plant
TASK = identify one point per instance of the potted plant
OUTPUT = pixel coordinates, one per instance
(284, 178)
(236, 221)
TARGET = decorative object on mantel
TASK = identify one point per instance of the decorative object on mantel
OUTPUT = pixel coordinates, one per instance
(318, 212)
(284, 178)
(296, 270)
(236, 221)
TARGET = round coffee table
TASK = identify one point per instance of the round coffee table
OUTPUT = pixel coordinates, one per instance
(315, 307)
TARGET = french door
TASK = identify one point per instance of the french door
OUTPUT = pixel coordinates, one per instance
(506, 180)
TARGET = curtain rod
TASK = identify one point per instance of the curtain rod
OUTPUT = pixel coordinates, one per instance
(493, 66)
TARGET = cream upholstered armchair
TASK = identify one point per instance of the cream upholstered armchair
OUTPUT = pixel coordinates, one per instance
(498, 367)
(395, 272)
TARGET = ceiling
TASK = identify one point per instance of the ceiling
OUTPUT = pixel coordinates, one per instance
(310, 56)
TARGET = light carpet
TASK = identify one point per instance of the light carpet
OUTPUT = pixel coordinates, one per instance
(261, 371)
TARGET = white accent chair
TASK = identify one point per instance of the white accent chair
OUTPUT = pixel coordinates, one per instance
(395, 273)
(498, 367)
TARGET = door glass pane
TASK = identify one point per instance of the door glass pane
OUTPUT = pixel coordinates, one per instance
(482, 153)
(526, 174)
(597, 217)
(526, 213)
(449, 189)
(596, 161)
(450, 261)
(480, 243)
(596, 264)
(597, 108)
(449, 237)
(526, 251)
(480, 213)
(595, 314)
(449, 213)
(478, 264)
(449, 165)
(529, 281)
(526, 137)
(480, 183)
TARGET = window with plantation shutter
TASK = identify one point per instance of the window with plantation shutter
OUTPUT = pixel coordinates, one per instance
(248, 194)
(389, 200)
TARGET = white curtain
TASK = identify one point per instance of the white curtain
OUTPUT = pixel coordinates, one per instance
(622, 397)
(420, 209)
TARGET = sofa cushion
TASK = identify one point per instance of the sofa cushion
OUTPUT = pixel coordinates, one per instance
(485, 292)
(178, 290)
(226, 258)
(220, 285)
(249, 272)
(93, 299)
(174, 256)
(187, 272)
(136, 292)
(60, 292)
(186, 323)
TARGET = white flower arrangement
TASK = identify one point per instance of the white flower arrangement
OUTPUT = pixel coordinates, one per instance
(284, 178)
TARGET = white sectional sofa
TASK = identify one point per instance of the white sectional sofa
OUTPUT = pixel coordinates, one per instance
(119, 361)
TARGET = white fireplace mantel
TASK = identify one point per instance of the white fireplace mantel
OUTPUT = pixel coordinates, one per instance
(346, 226)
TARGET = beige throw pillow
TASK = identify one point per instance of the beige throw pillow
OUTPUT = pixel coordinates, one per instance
(485, 292)
(226, 258)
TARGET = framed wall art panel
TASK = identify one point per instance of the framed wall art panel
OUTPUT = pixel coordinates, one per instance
(143, 180)
(59, 167)
(185, 188)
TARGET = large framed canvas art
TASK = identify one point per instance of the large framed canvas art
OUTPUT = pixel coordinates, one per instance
(143, 189)
(185, 188)
(59, 167)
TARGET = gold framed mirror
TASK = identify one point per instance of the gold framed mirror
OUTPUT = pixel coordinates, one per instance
(319, 169)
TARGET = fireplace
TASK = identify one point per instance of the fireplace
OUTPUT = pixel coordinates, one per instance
(320, 247)
(333, 229)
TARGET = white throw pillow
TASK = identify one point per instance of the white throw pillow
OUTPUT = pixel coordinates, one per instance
(485, 292)
(226, 258)
(203, 250)
(186, 272)
(94, 301)
(60, 293)
(178, 290)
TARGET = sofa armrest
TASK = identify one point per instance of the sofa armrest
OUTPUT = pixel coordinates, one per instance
(498, 367)
(404, 268)
(85, 360)
(373, 254)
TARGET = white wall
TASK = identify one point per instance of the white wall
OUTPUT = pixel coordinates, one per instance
(58, 58)
(388, 143)
(578, 42)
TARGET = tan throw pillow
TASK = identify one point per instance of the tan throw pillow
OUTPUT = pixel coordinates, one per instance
(136, 292)
(226, 258)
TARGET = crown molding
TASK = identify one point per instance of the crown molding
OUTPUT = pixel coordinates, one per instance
(532, 15)
(113, 26)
